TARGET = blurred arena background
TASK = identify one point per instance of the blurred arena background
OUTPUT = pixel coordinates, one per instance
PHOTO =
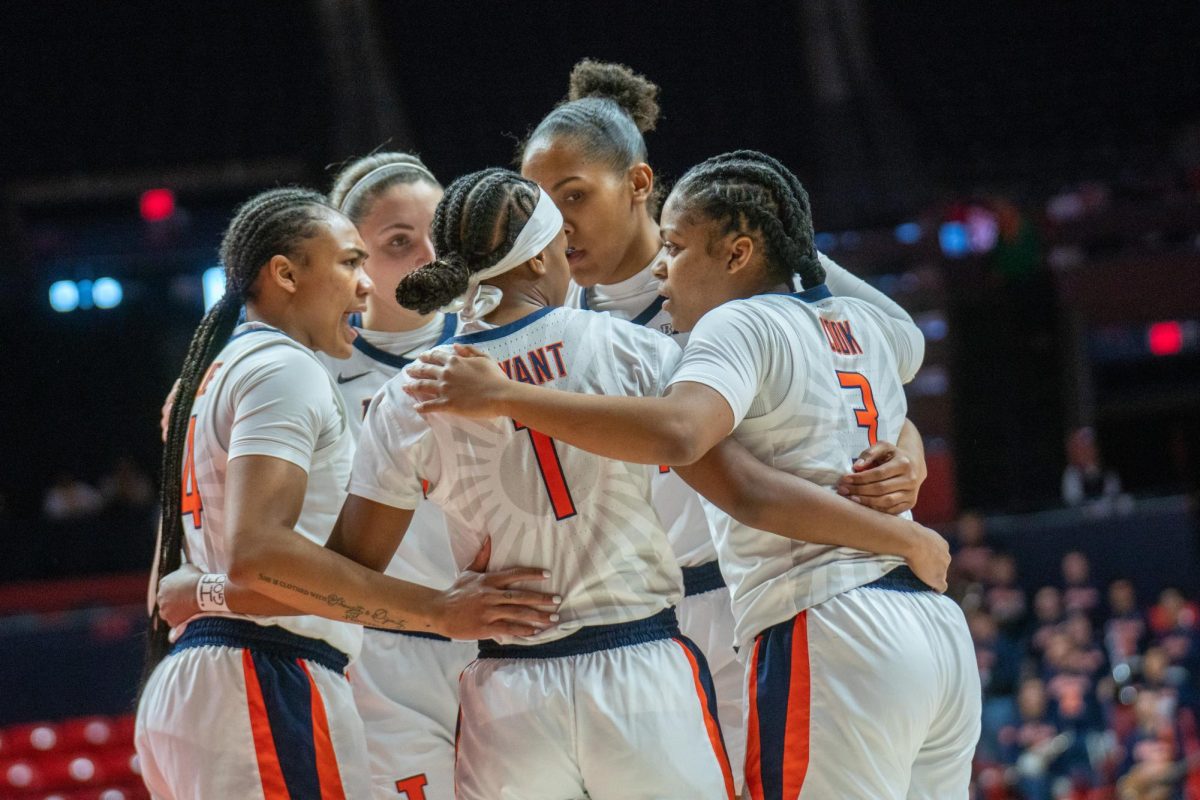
(1024, 178)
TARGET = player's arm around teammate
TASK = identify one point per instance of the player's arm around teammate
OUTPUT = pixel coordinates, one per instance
(724, 472)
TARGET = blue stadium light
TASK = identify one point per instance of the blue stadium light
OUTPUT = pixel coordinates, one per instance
(213, 281)
(954, 239)
(107, 293)
(64, 296)
(908, 233)
(85, 295)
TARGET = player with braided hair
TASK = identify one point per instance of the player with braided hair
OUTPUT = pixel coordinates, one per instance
(861, 681)
(258, 451)
(391, 197)
(590, 154)
(608, 700)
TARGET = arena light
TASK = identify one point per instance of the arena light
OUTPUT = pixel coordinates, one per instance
(85, 295)
(213, 281)
(64, 296)
(107, 293)
(1165, 338)
(954, 239)
(157, 205)
(983, 230)
(908, 233)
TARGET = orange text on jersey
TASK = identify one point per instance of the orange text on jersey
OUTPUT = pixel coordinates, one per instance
(841, 338)
(537, 366)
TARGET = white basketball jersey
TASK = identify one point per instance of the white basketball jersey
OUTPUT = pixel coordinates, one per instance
(424, 555)
(813, 380)
(679, 507)
(587, 519)
(266, 394)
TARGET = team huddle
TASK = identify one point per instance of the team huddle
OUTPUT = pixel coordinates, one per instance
(528, 489)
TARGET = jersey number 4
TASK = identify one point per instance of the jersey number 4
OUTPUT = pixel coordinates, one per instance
(866, 415)
(190, 502)
(552, 473)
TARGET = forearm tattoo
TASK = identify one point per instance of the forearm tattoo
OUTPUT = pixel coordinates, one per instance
(360, 615)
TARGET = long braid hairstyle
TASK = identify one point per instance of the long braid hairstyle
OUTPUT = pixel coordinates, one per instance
(475, 225)
(272, 223)
(359, 183)
(747, 190)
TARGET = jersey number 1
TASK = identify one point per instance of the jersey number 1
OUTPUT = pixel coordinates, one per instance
(552, 473)
(190, 502)
(867, 416)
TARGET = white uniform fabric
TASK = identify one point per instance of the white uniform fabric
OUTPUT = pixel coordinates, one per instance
(769, 357)
(590, 522)
(586, 519)
(406, 690)
(631, 723)
(410, 724)
(266, 394)
(201, 743)
(876, 699)
(706, 618)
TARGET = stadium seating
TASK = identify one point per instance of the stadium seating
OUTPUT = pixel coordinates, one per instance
(84, 758)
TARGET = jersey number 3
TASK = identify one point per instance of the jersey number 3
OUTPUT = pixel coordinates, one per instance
(867, 415)
(552, 473)
(190, 502)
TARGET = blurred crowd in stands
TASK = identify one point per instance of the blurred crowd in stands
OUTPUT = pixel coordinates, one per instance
(83, 528)
(1089, 692)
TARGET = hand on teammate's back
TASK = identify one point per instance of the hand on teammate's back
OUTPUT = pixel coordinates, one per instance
(929, 558)
(884, 478)
(466, 382)
(483, 605)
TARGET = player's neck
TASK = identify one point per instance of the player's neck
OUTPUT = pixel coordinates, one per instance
(641, 252)
(519, 301)
(387, 318)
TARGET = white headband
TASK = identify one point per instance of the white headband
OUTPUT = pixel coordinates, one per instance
(541, 228)
(363, 183)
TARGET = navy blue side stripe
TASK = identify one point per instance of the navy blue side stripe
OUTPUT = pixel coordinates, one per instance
(706, 683)
(774, 681)
(287, 695)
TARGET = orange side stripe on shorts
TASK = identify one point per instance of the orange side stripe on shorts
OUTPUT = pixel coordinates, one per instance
(714, 732)
(274, 787)
(796, 745)
(753, 744)
(327, 767)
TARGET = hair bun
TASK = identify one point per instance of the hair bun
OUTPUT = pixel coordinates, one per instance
(617, 82)
(434, 285)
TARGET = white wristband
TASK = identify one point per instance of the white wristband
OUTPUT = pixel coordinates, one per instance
(210, 593)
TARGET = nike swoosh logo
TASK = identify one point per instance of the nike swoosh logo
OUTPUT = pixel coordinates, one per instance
(342, 379)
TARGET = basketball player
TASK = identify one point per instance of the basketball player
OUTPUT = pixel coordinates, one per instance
(391, 198)
(589, 154)
(612, 702)
(259, 446)
(862, 682)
